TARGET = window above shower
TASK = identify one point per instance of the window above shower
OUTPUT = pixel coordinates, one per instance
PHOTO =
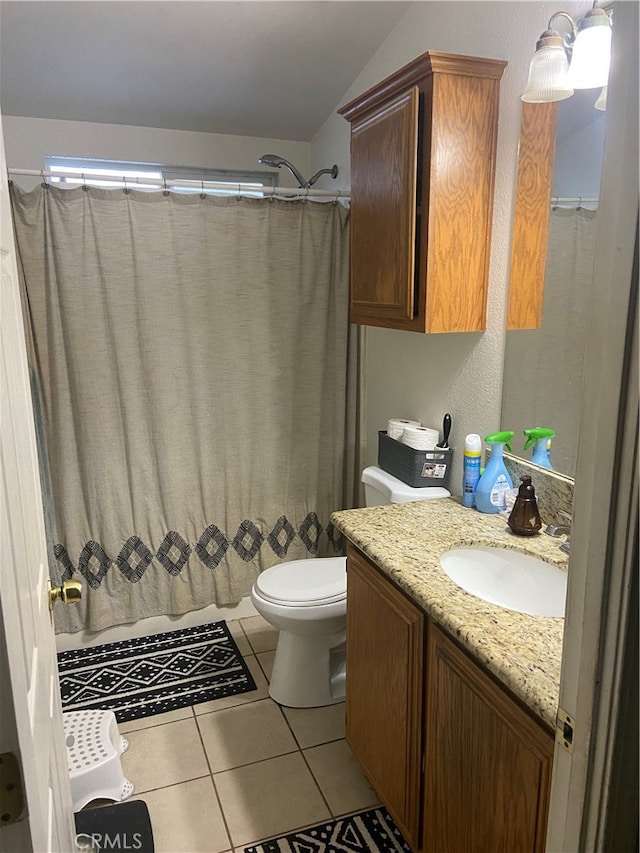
(75, 171)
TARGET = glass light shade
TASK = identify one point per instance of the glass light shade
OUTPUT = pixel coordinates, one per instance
(548, 76)
(601, 103)
(591, 58)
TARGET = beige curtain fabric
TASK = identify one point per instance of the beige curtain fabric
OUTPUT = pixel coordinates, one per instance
(192, 355)
(542, 384)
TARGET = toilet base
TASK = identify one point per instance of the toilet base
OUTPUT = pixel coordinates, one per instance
(308, 671)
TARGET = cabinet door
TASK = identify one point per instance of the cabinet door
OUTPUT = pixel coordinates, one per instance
(384, 153)
(385, 641)
(488, 763)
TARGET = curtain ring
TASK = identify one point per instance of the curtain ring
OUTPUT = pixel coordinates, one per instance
(306, 195)
(44, 183)
(84, 185)
(239, 196)
(165, 192)
(126, 189)
(554, 202)
(202, 193)
(579, 207)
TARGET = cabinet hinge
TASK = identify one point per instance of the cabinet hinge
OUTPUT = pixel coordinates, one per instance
(11, 797)
(564, 729)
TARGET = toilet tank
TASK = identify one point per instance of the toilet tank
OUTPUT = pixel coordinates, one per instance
(381, 488)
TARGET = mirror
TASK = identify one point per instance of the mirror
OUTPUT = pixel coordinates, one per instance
(542, 378)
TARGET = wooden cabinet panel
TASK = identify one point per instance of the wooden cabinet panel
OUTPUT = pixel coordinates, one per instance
(488, 763)
(531, 221)
(460, 202)
(384, 146)
(385, 641)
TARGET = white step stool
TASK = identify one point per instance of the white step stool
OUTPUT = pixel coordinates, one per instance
(94, 747)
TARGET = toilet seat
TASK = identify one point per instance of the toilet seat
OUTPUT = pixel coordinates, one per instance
(305, 583)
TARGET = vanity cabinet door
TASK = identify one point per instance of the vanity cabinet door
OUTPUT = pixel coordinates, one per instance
(385, 642)
(488, 763)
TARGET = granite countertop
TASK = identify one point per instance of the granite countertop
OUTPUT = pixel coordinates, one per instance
(405, 540)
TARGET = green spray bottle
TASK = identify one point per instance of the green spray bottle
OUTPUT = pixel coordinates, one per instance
(541, 436)
(490, 494)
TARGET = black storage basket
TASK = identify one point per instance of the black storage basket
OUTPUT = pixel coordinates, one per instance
(417, 468)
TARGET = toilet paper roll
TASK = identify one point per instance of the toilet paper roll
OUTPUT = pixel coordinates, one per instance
(420, 438)
(396, 426)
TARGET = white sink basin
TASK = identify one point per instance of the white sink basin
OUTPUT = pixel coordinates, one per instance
(508, 578)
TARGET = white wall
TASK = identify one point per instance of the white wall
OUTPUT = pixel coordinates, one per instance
(410, 375)
(27, 140)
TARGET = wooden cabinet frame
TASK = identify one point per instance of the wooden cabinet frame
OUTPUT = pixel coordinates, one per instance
(530, 239)
(422, 194)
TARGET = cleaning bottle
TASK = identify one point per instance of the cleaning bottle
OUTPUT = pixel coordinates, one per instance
(524, 519)
(494, 482)
(470, 468)
(541, 452)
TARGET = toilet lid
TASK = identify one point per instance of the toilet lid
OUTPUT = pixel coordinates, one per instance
(305, 582)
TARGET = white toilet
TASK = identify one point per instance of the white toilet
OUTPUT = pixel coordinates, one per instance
(307, 601)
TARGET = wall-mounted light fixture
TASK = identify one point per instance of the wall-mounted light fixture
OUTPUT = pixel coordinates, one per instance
(588, 46)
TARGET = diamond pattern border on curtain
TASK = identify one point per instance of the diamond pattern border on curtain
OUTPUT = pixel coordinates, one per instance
(174, 551)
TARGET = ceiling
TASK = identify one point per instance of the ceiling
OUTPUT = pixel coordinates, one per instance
(270, 69)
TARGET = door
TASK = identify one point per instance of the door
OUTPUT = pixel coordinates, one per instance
(384, 151)
(488, 763)
(385, 634)
(29, 690)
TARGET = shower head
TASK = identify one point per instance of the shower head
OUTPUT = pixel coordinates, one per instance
(275, 162)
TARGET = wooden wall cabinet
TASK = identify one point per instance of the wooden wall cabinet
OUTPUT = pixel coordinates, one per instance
(423, 148)
(461, 766)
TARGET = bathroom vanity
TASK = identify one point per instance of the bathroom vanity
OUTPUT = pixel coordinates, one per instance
(451, 701)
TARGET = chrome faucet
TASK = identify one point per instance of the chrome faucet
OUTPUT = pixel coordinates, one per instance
(557, 530)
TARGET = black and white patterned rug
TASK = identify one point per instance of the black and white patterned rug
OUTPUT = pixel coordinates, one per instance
(371, 831)
(151, 675)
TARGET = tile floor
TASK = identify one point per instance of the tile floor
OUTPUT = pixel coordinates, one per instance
(225, 774)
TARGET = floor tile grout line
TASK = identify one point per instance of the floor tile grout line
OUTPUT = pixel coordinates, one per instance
(215, 789)
(137, 793)
(155, 725)
(298, 749)
(252, 763)
(324, 799)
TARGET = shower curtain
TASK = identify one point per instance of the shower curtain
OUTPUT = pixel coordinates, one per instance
(542, 382)
(196, 384)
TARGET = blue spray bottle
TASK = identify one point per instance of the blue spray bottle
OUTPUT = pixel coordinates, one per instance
(490, 494)
(471, 468)
(541, 452)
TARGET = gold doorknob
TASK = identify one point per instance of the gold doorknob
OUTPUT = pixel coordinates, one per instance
(70, 592)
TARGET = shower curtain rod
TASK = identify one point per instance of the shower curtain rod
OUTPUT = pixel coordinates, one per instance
(215, 186)
(578, 200)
